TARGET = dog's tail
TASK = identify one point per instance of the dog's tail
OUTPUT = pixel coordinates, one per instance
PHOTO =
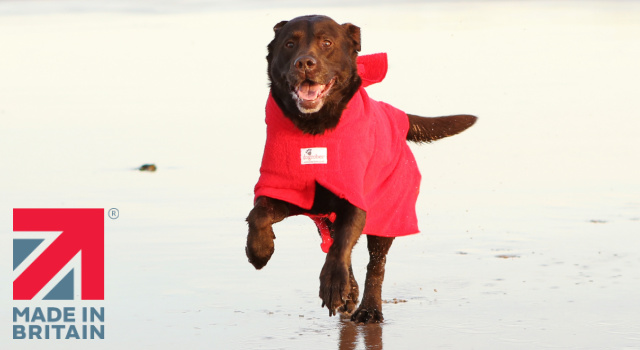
(424, 129)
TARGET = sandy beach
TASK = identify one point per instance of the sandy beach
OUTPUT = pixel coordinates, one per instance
(530, 220)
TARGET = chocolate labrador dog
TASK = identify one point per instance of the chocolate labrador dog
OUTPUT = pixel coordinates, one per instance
(337, 156)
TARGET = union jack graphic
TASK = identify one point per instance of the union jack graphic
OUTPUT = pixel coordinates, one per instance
(62, 237)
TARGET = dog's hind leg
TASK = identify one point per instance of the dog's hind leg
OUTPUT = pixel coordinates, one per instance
(370, 310)
(266, 212)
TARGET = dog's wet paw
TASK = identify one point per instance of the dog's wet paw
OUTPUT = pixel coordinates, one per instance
(364, 315)
(334, 287)
(351, 303)
(346, 310)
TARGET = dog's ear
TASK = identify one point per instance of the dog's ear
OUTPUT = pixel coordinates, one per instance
(279, 26)
(354, 33)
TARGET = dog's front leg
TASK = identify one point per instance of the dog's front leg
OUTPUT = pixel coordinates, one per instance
(370, 310)
(266, 212)
(335, 281)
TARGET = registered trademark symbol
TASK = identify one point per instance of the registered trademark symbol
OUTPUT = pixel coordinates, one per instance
(114, 213)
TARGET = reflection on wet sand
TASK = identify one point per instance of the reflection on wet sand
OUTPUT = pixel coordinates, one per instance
(349, 334)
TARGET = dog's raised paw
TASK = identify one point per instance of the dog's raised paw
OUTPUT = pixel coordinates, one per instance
(258, 261)
(364, 315)
(259, 248)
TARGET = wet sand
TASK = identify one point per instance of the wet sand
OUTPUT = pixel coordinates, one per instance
(530, 220)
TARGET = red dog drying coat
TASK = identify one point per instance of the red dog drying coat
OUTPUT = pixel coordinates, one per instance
(365, 160)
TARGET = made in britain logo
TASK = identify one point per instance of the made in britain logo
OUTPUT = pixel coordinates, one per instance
(58, 254)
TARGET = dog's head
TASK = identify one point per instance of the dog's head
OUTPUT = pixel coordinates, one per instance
(312, 69)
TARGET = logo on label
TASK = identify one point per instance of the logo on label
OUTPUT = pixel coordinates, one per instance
(317, 155)
(64, 236)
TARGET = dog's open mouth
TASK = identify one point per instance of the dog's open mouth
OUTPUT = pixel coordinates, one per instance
(310, 95)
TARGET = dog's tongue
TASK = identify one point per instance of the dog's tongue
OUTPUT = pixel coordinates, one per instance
(309, 91)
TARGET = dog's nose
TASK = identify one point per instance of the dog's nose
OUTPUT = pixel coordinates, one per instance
(305, 63)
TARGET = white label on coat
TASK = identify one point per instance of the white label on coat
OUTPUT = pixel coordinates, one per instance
(316, 155)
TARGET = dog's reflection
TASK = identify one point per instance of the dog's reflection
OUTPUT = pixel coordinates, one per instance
(350, 331)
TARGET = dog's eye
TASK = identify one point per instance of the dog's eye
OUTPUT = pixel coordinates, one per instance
(289, 45)
(326, 43)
